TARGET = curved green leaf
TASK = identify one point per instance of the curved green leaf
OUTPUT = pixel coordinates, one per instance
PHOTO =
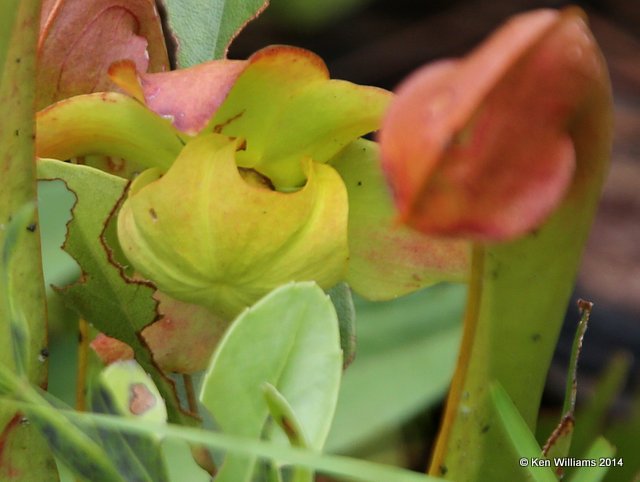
(295, 345)
(523, 444)
(110, 124)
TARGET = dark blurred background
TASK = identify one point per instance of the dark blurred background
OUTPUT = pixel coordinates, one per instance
(379, 42)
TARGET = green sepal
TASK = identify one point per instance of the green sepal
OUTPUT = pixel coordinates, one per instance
(388, 260)
(287, 109)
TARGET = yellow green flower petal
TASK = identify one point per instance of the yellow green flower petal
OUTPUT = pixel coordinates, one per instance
(205, 235)
(287, 108)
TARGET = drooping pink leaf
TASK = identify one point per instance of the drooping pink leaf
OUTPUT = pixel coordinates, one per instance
(188, 97)
(80, 39)
(483, 146)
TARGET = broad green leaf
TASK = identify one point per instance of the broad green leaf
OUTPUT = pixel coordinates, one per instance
(119, 307)
(599, 449)
(295, 344)
(203, 29)
(80, 39)
(407, 350)
(387, 260)
(24, 454)
(55, 203)
(337, 466)
(123, 388)
(287, 109)
(109, 124)
(342, 300)
(523, 444)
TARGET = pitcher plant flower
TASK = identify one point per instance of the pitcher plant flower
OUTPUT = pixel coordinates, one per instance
(256, 178)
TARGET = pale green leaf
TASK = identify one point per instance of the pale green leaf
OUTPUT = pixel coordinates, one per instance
(523, 443)
(295, 346)
(283, 415)
(599, 449)
(117, 306)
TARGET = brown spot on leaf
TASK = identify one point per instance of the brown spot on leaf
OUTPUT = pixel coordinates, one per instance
(140, 399)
